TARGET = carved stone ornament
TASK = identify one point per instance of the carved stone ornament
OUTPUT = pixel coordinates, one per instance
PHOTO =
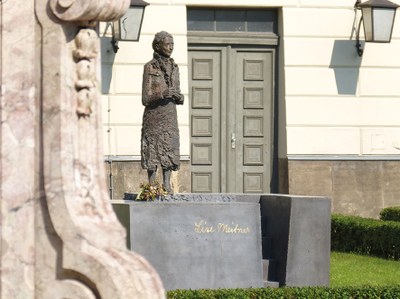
(59, 235)
(85, 55)
(88, 10)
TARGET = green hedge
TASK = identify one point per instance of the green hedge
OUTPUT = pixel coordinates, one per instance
(365, 236)
(291, 293)
(390, 214)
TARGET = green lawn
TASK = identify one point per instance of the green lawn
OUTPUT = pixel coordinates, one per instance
(355, 270)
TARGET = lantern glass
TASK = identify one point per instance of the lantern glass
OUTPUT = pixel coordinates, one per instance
(378, 18)
(128, 27)
(368, 23)
(383, 19)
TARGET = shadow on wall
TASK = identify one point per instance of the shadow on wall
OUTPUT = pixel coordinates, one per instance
(346, 64)
(107, 60)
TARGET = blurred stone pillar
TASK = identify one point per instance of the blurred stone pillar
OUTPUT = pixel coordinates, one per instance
(59, 235)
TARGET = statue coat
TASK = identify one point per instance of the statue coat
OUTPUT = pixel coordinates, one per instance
(160, 133)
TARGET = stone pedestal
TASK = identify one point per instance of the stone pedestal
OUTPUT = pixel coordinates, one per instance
(213, 240)
(197, 244)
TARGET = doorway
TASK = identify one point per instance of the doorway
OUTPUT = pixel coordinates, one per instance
(232, 118)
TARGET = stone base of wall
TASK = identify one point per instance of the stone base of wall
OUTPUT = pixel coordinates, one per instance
(126, 176)
(356, 187)
(283, 182)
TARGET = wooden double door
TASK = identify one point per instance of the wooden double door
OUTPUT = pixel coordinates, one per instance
(231, 111)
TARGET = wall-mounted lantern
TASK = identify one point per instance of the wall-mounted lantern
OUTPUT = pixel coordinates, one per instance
(129, 26)
(378, 18)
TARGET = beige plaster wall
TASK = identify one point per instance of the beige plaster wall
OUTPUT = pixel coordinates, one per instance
(338, 103)
(335, 103)
(332, 103)
(122, 72)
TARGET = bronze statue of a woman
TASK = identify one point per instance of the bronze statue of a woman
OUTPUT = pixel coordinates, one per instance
(160, 95)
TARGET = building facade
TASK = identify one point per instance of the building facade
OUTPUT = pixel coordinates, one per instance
(276, 100)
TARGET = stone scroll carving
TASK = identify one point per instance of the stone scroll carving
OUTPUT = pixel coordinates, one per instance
(88, 10)
(79, 244)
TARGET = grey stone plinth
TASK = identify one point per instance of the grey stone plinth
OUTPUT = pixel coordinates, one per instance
(195, 244)
(296, 233)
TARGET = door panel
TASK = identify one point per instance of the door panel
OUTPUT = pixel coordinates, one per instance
(231, 119)
(204, 70)
(253, 97)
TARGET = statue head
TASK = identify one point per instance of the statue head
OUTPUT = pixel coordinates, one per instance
(163, 43)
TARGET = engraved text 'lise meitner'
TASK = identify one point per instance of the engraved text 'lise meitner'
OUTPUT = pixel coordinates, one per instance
(202, 227)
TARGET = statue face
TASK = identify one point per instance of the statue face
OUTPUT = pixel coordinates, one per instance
(166, 47)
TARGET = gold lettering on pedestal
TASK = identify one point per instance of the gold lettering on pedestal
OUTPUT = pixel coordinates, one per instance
(202, 227)
(232, 229)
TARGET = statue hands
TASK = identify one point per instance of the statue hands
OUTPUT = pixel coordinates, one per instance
(172, 93)
(179, 100)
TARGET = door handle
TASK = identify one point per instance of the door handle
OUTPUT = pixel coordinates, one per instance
(233, 140)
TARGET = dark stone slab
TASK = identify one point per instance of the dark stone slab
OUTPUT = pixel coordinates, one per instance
(195, 244)
(298, 229)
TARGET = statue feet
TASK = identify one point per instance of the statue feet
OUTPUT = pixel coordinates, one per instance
(167, 180)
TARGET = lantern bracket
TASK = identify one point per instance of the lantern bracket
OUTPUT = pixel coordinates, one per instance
(360, 50)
